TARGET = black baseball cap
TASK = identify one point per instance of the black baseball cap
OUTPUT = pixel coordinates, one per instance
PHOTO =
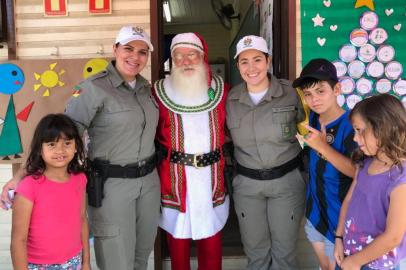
(320, 69)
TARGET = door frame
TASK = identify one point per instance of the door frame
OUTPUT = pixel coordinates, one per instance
(284, 57)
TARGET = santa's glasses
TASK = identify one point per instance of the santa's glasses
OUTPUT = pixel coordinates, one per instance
(181, 57)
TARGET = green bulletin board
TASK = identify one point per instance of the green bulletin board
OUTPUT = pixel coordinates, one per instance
(326, 27)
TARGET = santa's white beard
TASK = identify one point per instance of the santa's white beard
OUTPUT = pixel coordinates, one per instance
(189, 89)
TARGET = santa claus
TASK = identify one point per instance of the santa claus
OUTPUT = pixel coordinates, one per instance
(191, 135)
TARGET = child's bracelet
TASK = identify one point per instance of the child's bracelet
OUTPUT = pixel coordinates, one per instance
(339, 237)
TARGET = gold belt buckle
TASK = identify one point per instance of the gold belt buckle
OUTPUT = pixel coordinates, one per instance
(195, 160)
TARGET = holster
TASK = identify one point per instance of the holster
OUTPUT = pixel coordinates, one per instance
(228, 178)
(161, 151)
(229, 168)
(97, 174)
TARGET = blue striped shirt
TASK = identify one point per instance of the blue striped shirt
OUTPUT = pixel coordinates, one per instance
(327, 186)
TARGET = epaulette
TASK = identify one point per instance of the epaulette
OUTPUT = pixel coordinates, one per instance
(77, 89)
(101, 74)
(285, 82)
(234, 92)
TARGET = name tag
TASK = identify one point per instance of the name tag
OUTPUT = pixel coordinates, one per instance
(283, 109)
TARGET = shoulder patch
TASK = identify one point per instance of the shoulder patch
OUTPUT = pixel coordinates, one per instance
(77, 90)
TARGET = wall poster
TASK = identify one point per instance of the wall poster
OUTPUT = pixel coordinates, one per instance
(55, 8)
(98, 7)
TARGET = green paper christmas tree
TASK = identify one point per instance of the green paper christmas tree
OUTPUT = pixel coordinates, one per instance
(10, 141)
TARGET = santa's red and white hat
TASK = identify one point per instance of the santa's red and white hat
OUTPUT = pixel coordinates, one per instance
(187, 40)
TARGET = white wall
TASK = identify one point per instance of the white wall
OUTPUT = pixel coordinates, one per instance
(5, 224)
(78, 35)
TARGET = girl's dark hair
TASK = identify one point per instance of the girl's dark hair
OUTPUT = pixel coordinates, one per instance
(311, 82)
(386, 116)
(51, 128)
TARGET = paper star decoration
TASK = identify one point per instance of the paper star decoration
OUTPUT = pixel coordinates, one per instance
(367, 3)
(318, 21)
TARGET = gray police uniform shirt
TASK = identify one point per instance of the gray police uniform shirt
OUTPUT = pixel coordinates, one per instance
(121, 121)
(264, 134)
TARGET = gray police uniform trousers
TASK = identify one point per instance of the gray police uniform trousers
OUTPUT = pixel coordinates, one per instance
(269, 215)
(130, 206)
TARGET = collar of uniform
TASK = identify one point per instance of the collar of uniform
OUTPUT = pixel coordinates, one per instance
(241, 92)
(275, 90)
(140, 83)
(117, 80)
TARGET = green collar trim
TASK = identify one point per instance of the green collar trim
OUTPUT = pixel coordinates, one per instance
(214, 100)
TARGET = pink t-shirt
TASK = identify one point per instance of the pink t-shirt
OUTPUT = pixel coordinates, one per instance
(54, 234)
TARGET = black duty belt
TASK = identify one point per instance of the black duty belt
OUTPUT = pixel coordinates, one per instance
(269, 174)
(136, 170)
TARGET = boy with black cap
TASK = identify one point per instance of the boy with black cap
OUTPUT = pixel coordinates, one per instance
(330, 139)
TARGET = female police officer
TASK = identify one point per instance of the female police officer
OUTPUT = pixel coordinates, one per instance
(120, 115)
(268, 191)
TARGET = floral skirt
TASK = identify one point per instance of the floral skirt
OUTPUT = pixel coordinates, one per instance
(74, 263)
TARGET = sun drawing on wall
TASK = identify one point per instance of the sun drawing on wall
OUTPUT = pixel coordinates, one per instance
(48, 79)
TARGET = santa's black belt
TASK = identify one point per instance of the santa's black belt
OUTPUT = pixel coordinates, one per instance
(195, 160)
(269, 174)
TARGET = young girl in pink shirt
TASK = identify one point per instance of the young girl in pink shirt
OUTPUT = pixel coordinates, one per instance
(50, 229)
